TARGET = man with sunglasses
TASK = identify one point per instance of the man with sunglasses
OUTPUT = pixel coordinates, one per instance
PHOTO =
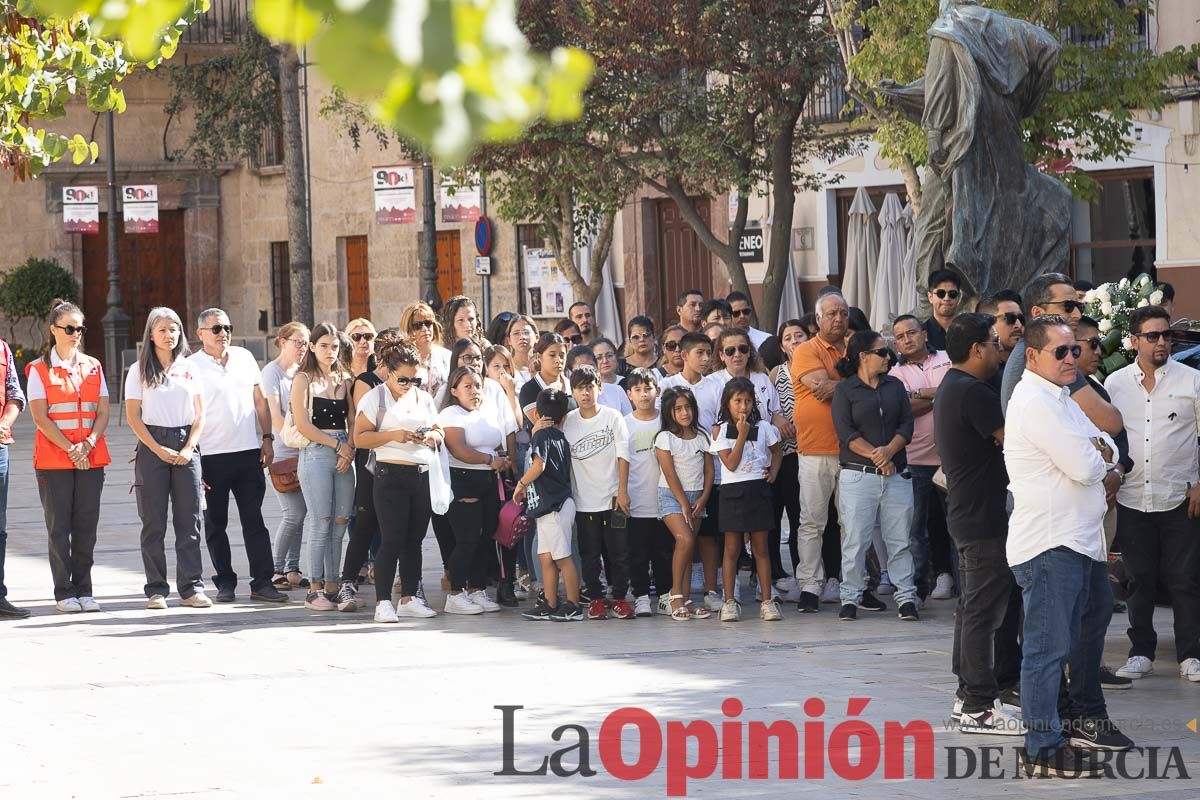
(1053, 293)
(232, 456)
(1061, 470)
(1158, 505)
(1005, 306)
(945, 295)
(567, 329)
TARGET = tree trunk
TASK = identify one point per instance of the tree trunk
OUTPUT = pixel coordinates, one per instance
(299, 243)
(783, 194)
(562, 241)
(912, 183)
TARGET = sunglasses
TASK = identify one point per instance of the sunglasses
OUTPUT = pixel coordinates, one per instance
(217, 330)
(882, 352)
(410, 382)
(671, 345)
(638, 337)
(741, 348)
(942, 294)
(359, 337)
(742, 312)
(1069, 306)
(1012, 319)
(1061, 351)
(421, 323)
(1093, 342)
(71, 330)
(1152, 337)
(576, 339)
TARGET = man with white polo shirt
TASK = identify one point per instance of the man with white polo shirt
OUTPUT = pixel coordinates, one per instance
(233, 456)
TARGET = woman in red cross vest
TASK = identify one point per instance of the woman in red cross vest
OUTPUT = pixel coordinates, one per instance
(68, 399)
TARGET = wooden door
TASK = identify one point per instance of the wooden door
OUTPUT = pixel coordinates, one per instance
(684, 263)
(153, 273)
(358, 278)
(449, 264)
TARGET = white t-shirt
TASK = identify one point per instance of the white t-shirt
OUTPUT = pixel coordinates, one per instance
(708, 400)
(643, 467)
(414, 409)
(596, 444)
(229, 416)
(756, 455)
(278, 384)
(436, 370)
(34, 389)
(171, 404)
(613, 396)
(688, 456)
(765, 394)
(480, 430)
(495, 405)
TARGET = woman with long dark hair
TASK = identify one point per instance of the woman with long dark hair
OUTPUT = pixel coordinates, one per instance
(460, 320)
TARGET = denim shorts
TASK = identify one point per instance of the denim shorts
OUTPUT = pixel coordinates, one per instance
(667, 504)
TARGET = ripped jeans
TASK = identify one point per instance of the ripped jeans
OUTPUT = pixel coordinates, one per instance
(329, 495)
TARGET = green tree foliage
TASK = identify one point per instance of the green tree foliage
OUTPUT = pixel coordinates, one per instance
(1106, 72)
(27, 290)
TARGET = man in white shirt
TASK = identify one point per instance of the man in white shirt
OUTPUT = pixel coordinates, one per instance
(1158, 506)
(742, 311)
(1061, 471)
(233, 457)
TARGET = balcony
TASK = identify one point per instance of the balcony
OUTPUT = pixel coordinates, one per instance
(225, 22)
(829, 98)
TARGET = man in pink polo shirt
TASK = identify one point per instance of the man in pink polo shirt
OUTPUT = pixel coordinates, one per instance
(921, 369)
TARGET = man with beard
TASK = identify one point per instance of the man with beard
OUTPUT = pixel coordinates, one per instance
(1005, 306)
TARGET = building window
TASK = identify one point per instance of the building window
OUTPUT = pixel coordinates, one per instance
(1114, 237)
(281, 284)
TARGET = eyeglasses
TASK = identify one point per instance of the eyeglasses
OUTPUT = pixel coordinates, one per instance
(942, 294)
(993, 342)
(1061, 351)
(741, 348)
(71, 330)
(421, 323)
(1093, 342)
(639, 337)
(470, 358)
(359, 337)
(609, 356)
(882, 352)
(217, 330)
(1069, 306)
(576, 339)
(410, 382)
(671, 345)
(298, 342)
(1013, 318)
(741, 312)
(1152, 337)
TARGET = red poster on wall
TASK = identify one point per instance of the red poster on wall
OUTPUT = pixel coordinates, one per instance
(395, 195)
(81, 209)
(140, 204)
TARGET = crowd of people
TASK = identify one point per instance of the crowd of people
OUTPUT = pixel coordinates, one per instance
(971, 455)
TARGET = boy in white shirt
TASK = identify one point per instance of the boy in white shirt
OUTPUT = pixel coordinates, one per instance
(651, 545)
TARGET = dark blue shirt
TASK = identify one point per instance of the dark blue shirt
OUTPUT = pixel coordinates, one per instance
(553, 486)
(874, 415)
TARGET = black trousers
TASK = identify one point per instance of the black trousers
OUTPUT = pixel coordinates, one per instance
(651, 547)
(986, 625)
(473, 525)
(71, 503)
(445, 538)
(595, 535)
(1162, 546)
(402, 503)
(242, 475)
(365, 526)
(786, 492)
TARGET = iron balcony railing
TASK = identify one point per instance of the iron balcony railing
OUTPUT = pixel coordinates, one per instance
(225, 22)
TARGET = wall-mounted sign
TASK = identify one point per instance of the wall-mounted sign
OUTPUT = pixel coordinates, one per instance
(750, 246)
(395, 195)
(460, 203)
(550, 293)
(483, 265)
(81, 209)
(140, 206)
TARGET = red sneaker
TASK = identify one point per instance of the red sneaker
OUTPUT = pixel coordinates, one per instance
(596, 609)
(621, 610)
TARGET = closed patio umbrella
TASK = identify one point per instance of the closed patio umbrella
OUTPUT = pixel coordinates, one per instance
(862, 252)
(790, 304)
(887, 292)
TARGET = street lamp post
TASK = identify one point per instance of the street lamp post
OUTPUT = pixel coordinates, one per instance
(428, 238)
(116, 321)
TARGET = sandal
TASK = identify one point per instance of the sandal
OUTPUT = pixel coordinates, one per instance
(298, 582)
(681, 613)
(697, 612)
(280, 582)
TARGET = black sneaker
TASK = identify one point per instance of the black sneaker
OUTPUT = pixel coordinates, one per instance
(1011, 697)
(1065, 762)
(506, 595)
(540, 613)
(225, 594)
(1096, 734)
(567, 612)
(809, 603)
(870, 602)
(9, 611)
(849, 613)
(267, 594)
(347, 597)
(585, 598)
(1111, 680)
(908, 612)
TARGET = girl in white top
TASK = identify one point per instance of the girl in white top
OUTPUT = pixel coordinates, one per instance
(522, 335)
(496, 404)
(473, 440)
(684, 486)
(398, 420)
(166, 413)
(292, 341)
(424, 330)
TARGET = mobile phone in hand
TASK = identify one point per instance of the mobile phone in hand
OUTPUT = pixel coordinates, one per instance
(617, 518)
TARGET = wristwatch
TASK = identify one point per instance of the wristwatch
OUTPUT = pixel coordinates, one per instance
(270, 437)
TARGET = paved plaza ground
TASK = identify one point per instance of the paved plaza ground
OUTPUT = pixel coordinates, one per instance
(250, 700)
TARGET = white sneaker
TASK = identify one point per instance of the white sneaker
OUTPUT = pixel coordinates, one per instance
(642, 607)
(68, 606)
(1138, 667)
(731, 611)
(832, 592)
(956, 713)
(664, 604)
(385, 612)
(1190, 669)
(481, 599)
(415, 608)
(198, 600)
(156, 602)
(712, 601)
(885, 584)
(944, 588)
(461, 604)
(769, 611)
(89, 604)
(786, 584)
(994, 721)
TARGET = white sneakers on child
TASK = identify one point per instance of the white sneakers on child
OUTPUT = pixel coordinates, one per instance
(480, 598)
(944, 588)
(769, 611)
(731, 611)
(642, 607)
(712, 601)
(461, 604)
(415, 608)
(385, 612)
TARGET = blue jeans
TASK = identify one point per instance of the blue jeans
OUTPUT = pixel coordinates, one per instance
(863, 498)
(1057, 588)
(290, 533)
(3, 514)
(928, 544)
(329, 496)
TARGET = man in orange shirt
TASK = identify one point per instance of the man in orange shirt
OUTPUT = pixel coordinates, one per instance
(814, 378)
